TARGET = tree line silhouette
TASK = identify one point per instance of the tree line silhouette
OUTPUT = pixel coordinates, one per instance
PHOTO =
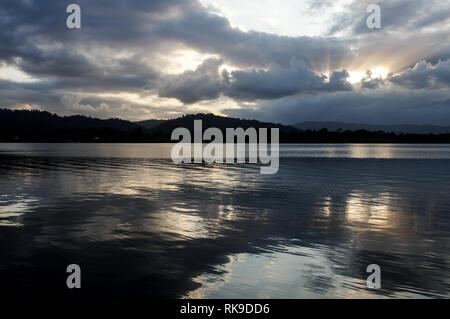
(41, 126)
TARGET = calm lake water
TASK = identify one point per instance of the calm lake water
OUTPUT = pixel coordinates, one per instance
(142, 227)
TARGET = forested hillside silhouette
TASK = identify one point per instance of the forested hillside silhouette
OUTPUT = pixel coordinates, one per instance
(40, 126)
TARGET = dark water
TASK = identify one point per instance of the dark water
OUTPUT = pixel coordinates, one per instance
(141, 227)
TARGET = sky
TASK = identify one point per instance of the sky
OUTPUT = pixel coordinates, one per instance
(280, 61)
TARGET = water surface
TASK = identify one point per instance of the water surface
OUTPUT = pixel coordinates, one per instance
(142, 227)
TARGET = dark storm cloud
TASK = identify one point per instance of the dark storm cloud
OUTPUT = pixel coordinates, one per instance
(206, 82)
(424, 75)
(372, 107)
(192, 86)
(34, 37)
(338, 82)
(13, 93)
(278, 82)
(369, 82)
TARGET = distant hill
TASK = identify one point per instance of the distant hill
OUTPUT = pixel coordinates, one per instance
(406, 128)
(41, 120)
(149, 124)
(38, 126)
(23, 125)
(165, 128)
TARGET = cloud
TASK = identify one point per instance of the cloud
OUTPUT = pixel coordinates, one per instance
(278, 82)
(424, 75)
(412, 30)
(396, 15)
(206, 82)
(208, 32)
(192, 86)
(123, 48)
(382, 106)
(369, 82)
(315, 5)
(127, 49)
(112, 107)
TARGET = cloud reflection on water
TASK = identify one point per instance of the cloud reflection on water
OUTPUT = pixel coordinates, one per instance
(147, 228)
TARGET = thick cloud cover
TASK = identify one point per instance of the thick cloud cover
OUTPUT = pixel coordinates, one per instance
(424, 75)
(372, 107)
(207, 82)
(277, 82)
(192, 86)
(125, 61)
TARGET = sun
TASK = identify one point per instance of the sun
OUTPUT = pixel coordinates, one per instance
(377, 73)
(355, 76)
(380, 72)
